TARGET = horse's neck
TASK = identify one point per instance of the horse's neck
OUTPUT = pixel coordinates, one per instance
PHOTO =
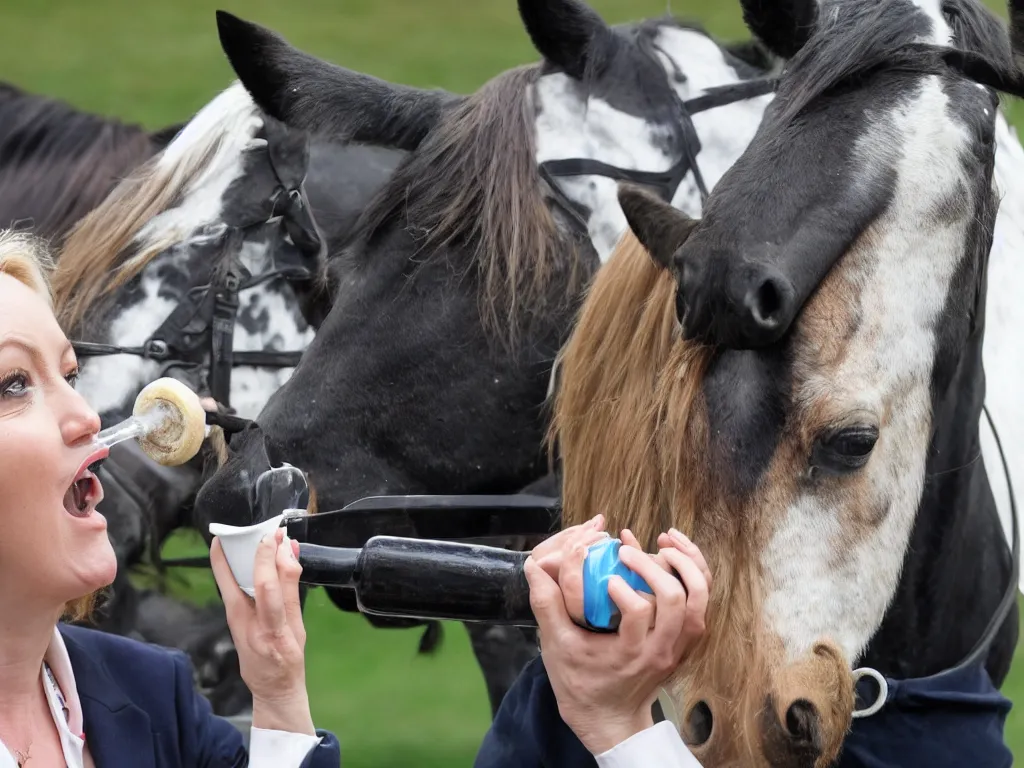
(413, 451)
(957, 567)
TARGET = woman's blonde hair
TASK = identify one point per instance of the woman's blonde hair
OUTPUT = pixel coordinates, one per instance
(27, 259)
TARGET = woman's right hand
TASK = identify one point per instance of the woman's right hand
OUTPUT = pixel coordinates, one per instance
(605, 684)
(268, 633)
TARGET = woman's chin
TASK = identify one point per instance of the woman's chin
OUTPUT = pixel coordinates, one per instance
(96, 567)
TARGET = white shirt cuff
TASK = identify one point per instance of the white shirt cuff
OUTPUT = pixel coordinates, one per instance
(659, 746)
(279, 749)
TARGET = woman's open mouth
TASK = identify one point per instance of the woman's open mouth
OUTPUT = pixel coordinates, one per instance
(85, 492)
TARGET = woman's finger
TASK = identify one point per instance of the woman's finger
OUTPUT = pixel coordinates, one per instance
(697, 590)
(556, 541)
(635, 610)
(669, 595)
(269, 599)
(570, 577)
(626, 537)
(553, 562)
(289, 570)
(548, 606)
(687, 547)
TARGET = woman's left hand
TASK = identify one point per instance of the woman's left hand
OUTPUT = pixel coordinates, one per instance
(269, 635)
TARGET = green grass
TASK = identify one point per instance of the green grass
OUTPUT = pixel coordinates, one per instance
(156, 63)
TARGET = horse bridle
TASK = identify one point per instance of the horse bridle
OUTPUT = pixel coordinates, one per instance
(202, 326)
(666, 182)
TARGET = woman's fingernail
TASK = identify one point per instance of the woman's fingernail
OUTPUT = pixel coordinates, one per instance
(294, 549)
(679, 536)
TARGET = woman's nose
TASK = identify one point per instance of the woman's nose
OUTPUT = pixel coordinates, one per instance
(80, 421)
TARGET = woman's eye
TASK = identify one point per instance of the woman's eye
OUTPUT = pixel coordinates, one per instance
(14, 385)
(72, 378)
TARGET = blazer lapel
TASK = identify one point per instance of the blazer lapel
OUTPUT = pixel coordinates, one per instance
(118, 734)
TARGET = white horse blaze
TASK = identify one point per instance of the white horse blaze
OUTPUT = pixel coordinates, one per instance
(817, 585)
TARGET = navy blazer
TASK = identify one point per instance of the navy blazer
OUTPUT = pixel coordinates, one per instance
(140, 709)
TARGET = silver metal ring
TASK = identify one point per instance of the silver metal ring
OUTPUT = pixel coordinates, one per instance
(883, 691)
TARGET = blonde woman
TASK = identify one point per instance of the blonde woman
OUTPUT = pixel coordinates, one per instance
(75, 697)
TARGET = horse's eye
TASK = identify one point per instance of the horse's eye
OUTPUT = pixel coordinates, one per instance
(845, 450)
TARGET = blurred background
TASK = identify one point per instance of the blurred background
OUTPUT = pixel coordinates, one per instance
(156, 63)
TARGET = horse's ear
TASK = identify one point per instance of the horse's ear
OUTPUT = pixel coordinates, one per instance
(305, 92)
(659, 227)
(565, 32)
(782, 25)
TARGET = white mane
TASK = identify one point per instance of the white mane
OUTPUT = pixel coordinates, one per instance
(205, 158)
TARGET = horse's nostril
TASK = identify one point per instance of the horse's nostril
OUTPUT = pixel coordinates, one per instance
(699, 724)
(763, 300)
(767, 302)
(794, 738)
(803, 723)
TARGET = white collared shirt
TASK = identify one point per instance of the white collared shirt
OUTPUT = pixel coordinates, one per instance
(659, 746)
(267, 748)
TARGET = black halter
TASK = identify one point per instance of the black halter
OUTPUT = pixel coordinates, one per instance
(202, 326)
(664, 182)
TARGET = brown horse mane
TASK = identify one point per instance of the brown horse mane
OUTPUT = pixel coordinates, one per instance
(628, 416)
(474, 183)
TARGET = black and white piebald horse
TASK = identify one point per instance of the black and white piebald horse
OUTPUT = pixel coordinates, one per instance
(796, 379)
